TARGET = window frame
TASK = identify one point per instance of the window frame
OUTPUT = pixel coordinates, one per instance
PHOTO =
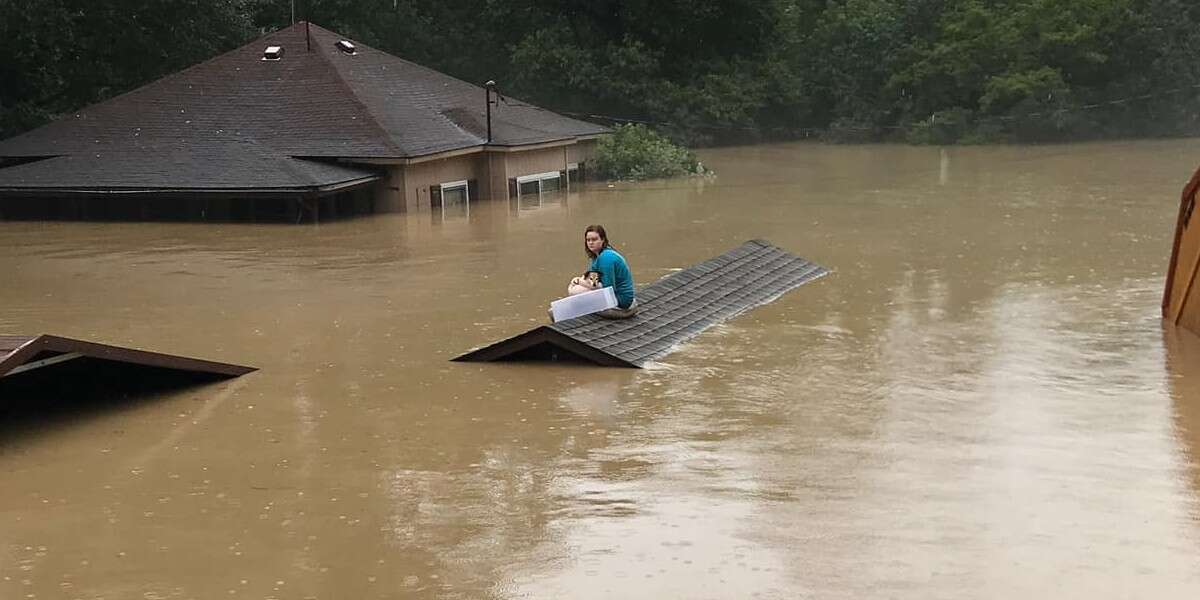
(539, 178)
(454, 185)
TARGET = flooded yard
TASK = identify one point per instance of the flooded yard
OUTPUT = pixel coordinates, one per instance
(980, 401)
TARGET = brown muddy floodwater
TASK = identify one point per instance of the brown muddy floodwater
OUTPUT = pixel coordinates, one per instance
(980, 401)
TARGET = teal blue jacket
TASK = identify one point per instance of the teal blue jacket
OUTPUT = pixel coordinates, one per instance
(615, 273)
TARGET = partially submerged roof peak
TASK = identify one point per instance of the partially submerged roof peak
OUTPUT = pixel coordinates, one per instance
(671, 310)
(26, 353)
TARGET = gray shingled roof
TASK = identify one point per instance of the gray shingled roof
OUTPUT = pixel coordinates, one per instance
(672, 310)
(223, 122)
(178, 170)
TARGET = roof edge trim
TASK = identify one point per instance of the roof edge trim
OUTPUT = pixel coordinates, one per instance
(503, 349)
(321, 189)
(444, 154)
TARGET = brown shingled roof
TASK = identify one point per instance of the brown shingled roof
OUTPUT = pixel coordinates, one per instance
(239, 121)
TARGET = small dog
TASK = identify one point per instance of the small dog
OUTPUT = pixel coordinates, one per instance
(589, 281)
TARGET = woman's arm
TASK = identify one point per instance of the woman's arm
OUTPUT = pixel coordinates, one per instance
(606, 264)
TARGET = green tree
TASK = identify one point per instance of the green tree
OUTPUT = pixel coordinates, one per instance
(705, 70)
(853, 49)
(58, 55)
(1026, 68)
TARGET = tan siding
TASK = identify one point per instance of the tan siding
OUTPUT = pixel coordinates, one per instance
(497, 176)
(536, 161)
(581, 152)
(407, 187)
(418, 178)
(389, 192)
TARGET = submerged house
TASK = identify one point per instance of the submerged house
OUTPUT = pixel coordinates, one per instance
(1181, 299)
(299, 123)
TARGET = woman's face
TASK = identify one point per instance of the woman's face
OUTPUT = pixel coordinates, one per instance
(594, 242)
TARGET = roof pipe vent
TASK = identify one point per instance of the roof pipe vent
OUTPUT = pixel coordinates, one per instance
(273, 53)
(347, 47)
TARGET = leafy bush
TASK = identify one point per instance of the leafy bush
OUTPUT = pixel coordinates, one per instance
(636, 152)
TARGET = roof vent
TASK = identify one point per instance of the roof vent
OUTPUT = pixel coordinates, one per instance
(347, 47)
(273, 53)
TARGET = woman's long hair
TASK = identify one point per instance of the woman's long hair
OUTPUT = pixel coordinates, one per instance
(599, 229)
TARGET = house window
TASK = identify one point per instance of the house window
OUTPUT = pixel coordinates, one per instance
(453, 198)
(539, 183)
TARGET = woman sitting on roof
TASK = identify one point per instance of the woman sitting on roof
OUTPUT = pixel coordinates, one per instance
(614, 272)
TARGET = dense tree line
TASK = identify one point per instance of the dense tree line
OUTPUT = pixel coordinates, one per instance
(703, 70)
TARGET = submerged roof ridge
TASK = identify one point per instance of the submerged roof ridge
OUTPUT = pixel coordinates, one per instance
(672, 310)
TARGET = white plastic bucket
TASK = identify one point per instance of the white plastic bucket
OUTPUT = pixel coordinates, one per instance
(583, 304)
